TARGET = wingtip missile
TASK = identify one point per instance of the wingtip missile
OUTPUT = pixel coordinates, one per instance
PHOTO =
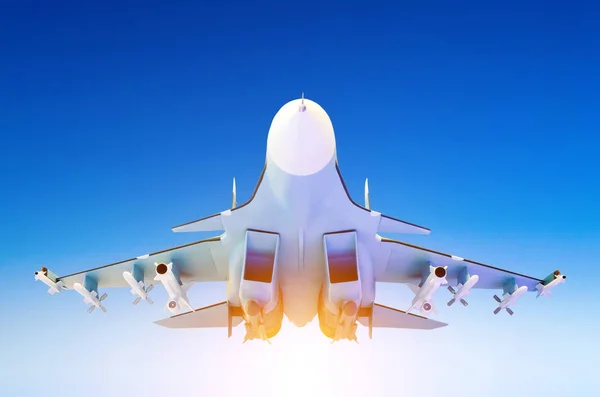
(550, 283)
(48, 278)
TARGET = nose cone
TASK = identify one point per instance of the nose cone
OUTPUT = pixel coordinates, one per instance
(301, 139)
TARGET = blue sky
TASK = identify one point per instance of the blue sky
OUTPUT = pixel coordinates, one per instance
(119, 121)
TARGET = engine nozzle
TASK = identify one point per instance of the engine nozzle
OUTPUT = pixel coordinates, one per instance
(252, 308)
(350, 309)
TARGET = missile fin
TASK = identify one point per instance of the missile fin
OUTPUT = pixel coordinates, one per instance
(186, 286)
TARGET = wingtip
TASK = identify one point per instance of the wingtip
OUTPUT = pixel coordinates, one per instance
(181, 228)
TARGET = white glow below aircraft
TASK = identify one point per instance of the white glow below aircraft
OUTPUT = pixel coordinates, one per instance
(301, 247)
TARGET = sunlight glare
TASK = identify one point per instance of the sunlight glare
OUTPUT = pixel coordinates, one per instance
(303, 362)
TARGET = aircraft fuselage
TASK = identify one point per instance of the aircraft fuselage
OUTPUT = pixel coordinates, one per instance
(301, 197)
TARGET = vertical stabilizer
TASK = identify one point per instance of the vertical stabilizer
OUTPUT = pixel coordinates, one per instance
(367, 200)
(233, 196)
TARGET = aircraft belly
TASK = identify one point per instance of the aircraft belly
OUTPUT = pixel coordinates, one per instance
(300, 301)
(301, 210)
(301, 276)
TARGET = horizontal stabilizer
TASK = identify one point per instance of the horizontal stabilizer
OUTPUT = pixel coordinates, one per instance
(216, 315)
(209, 224)
(392, 225)
(388, 317)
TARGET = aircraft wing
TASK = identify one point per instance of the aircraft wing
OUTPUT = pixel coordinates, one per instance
(204, 260)
(405, 263)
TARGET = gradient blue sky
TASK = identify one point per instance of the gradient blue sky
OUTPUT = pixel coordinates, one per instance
(120, 121)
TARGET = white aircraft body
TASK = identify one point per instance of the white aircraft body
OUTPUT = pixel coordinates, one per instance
(300, 247)
(90, 297)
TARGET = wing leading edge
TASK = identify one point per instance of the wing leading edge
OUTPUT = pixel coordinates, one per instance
(387, 224)
(204, 260)
(405, 263)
